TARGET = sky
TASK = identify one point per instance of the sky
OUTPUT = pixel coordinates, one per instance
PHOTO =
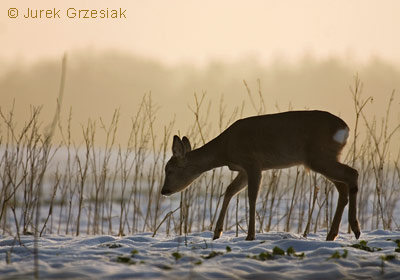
(188, 31)
(176, 48)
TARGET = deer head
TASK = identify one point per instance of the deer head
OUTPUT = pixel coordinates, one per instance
(180, 172)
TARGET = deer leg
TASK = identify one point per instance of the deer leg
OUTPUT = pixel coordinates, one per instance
(234, 187)
(342, 202)
(354, 224)
(254, 178)
(339, 172)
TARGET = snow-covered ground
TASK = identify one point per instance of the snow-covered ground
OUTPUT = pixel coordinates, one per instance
(196, 256)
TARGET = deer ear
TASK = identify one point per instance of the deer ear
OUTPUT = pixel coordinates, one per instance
(186, 144)
(178, 150)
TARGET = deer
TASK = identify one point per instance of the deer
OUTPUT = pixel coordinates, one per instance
(251, 145)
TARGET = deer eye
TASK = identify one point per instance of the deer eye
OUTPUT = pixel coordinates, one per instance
(169, 169)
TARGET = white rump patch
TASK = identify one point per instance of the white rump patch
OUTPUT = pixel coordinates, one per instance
(341, 135)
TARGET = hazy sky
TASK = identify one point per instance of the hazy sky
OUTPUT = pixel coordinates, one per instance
(189, 31)
(195, 31)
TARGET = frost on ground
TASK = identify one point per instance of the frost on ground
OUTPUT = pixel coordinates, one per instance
(272, 255)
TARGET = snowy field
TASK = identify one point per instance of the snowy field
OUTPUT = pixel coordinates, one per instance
(273, 255)
(101, 193)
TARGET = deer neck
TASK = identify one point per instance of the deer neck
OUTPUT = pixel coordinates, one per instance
(206, 157)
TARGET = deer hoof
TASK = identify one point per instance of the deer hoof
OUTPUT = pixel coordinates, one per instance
(217, 234)
(331, 237)
(250, 237)
(355, 227)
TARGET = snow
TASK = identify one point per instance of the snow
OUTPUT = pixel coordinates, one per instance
(198, 257)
